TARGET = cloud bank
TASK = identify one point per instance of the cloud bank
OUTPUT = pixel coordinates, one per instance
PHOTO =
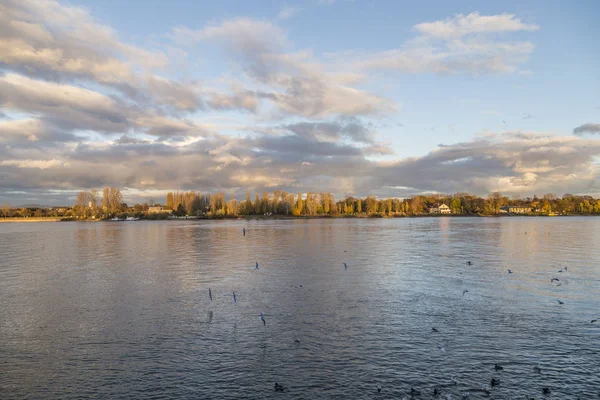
(81, 108)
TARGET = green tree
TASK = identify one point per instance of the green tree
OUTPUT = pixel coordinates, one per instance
(455, 205)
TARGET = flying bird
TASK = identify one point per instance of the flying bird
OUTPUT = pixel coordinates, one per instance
(494, 382)
(469, 263)
(434, 330)
(414, 392)
(546, 390)
(345, 266)
(378, 388)
(256, 266)
(464, 291)
(565, 269)
(594, 320)
(244, 231)
(210, 294)
(510, 271)
(262, 318)
(442, 348)
(554, 279)
(234, 298)
(560, 302)
(498, 367)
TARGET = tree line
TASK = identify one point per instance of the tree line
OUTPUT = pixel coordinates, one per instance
(324, 204)
(109, 202)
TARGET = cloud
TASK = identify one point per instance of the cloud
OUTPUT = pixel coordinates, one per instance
(343, 128)
(587, 129)
(462, 25)
(287, 12)
(461, 44)
(49, 40)
(84, 109)
(297, 84)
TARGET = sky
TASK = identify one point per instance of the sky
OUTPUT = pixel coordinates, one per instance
(354, 97)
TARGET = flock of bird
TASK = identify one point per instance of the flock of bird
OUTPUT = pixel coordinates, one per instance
(436, 391)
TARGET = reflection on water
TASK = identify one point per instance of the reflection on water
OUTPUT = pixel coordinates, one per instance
(121, 310)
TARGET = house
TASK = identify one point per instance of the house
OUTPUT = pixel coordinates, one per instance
(515, 209)
(442, 209)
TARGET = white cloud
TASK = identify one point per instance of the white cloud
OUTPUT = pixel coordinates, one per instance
(288, 12)
(461, 25)
(38, 164)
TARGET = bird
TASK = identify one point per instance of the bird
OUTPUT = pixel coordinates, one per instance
(414, 392)
(503, 121)
(469, 263)
(256, 266)
(434, 330)
(297, 340)
(278, 387)
(529, 398)
(244, 231)
(464, 291)
(436, 392)
(494, 382)
(262, 318)
(565, 269)
(560, 302)
(345, 266)
(442, 348)
(210, 294)
(594, 320)
(554, 279)
(378, 388)
(510, 271)
(234, 298)
(498, 367)
(546, 390)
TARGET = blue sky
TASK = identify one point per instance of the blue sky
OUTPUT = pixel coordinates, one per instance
(351, 97)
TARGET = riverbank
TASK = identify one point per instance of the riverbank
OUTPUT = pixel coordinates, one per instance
(32, 219)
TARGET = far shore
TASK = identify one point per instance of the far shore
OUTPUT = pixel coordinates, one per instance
(284, 217)
(32, 219)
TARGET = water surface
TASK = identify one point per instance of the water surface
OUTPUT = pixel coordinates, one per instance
(121, 310)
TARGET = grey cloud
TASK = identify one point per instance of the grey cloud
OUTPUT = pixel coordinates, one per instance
(64, 106)
(517, 162)
(587, 129)
(350, 128)
(129, 140)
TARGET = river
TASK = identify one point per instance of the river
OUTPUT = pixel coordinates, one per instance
(122, 309)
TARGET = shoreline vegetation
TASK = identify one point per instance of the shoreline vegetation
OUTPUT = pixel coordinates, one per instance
(93, 205)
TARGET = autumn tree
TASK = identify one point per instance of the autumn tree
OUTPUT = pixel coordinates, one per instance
(256, 204)
(5, 209)
(106, 200)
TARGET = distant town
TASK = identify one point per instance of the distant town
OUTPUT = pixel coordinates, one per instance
(108, 205)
